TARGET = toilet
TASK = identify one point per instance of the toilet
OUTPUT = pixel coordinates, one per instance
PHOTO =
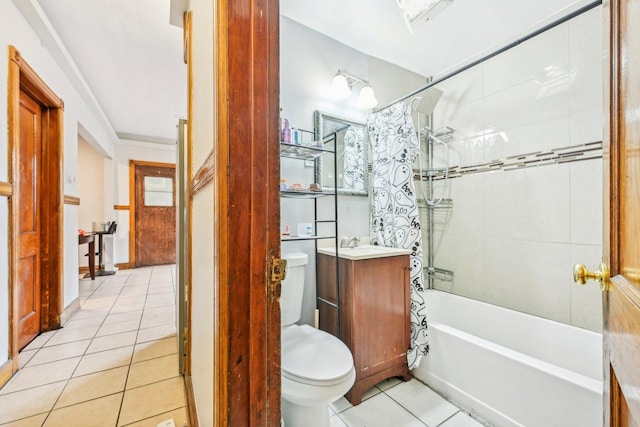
(317, 368)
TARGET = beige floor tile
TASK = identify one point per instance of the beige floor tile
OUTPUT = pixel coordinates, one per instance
(88, 314)
(92, 386)
(110, 342)
(133, 290)
(156, 333)
(25, 356)
(160, 289)
(63, 336)
(150, 400)
(153, 349)
(118, 308)
(117, 328)
(179, 417)
(59, 352)
(102, 412)
(160, 300)
(151, 371)
(99, 302)
(40, 340)
(83, 323)
(158, 316)
(104, 360)
(30, 402)
(38, 375)
(35, 421)
(123, 317)
(131, 299)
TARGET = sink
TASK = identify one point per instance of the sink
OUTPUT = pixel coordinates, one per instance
(364, 252)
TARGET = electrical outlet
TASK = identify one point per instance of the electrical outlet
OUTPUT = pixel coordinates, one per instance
(167, 423)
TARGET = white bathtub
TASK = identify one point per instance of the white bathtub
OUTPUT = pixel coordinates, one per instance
(510, 368)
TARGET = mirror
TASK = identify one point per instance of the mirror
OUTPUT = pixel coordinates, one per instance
(351, 143)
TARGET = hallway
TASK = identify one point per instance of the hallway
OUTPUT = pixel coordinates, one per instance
(114, 363)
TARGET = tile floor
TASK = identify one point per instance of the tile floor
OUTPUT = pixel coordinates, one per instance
(394, 403)
(114, 363)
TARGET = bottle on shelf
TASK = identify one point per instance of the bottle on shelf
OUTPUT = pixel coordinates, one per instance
(286, 132)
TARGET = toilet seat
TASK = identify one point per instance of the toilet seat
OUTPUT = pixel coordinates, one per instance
(314, 357)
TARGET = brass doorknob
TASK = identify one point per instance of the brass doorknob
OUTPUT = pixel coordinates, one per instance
(581, 275)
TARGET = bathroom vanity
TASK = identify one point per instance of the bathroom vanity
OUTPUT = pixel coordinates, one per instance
(372, 312)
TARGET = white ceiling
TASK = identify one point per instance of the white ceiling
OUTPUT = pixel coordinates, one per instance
(459, 32)
(131, 57)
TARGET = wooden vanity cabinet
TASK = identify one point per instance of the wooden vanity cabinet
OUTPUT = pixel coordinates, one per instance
(374, 315)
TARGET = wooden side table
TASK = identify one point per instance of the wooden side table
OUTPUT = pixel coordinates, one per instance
(90, 239)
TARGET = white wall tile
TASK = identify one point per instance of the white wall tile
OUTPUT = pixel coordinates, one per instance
(585, 41)
(586, 86)
(535, 57)
(587, 125)
(528, 138)
(586, 202)
(528, 204)
(528, 276)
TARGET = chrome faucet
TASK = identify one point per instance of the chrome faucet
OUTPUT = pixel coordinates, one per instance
(349, 242)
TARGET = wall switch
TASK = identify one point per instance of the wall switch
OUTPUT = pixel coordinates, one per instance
(167, 423)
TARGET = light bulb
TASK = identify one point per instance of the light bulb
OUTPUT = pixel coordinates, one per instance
(340, 88)
(367, 98)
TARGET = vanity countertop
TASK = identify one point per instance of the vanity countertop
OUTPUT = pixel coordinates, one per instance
(363, 252)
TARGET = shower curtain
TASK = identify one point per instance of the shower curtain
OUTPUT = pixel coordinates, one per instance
(395, 221)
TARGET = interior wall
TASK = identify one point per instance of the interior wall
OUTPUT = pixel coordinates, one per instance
(125, 151)
(90, 191)
(16, 31)
(308, 62)
(513, 236)
(202, 113)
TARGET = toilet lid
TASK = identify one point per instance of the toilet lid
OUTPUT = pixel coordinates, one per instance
(312, 356)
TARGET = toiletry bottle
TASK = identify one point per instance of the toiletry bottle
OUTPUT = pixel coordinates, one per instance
(286, 132)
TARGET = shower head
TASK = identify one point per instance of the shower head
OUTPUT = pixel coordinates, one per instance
(427, 101)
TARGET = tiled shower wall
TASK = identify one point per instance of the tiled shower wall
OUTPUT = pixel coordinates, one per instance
(527, 185)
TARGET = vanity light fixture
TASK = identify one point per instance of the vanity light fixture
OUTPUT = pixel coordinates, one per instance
(341, 89)
(416, 12)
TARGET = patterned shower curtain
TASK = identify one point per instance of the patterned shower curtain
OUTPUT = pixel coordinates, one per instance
(395, 221)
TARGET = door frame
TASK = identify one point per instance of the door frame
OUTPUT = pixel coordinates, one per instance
(246, 213)
(23, 77)
(132, 204)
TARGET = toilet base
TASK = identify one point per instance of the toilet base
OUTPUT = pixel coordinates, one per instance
(304, 415)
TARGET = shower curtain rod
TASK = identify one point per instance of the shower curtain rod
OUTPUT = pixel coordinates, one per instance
(515, 43)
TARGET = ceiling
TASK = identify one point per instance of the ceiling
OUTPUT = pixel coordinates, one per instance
(131, 57)
(132, 60)
(459, 32)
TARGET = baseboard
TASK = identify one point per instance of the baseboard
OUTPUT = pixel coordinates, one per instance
(125, 265)
(191, 402)
(70, 310)
(6, 371)
(83, 269)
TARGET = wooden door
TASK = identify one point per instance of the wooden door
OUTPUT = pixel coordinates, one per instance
(622, 215)
(155, 214)
(28, 217)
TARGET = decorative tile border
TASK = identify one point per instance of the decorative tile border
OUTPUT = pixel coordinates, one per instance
(574, 153)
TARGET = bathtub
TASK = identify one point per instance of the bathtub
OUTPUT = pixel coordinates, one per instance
(510, 368)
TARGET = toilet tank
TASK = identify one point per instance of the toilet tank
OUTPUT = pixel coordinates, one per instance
(292, 287)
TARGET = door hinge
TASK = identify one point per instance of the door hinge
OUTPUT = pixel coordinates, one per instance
(278, 273)
(278, 269)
